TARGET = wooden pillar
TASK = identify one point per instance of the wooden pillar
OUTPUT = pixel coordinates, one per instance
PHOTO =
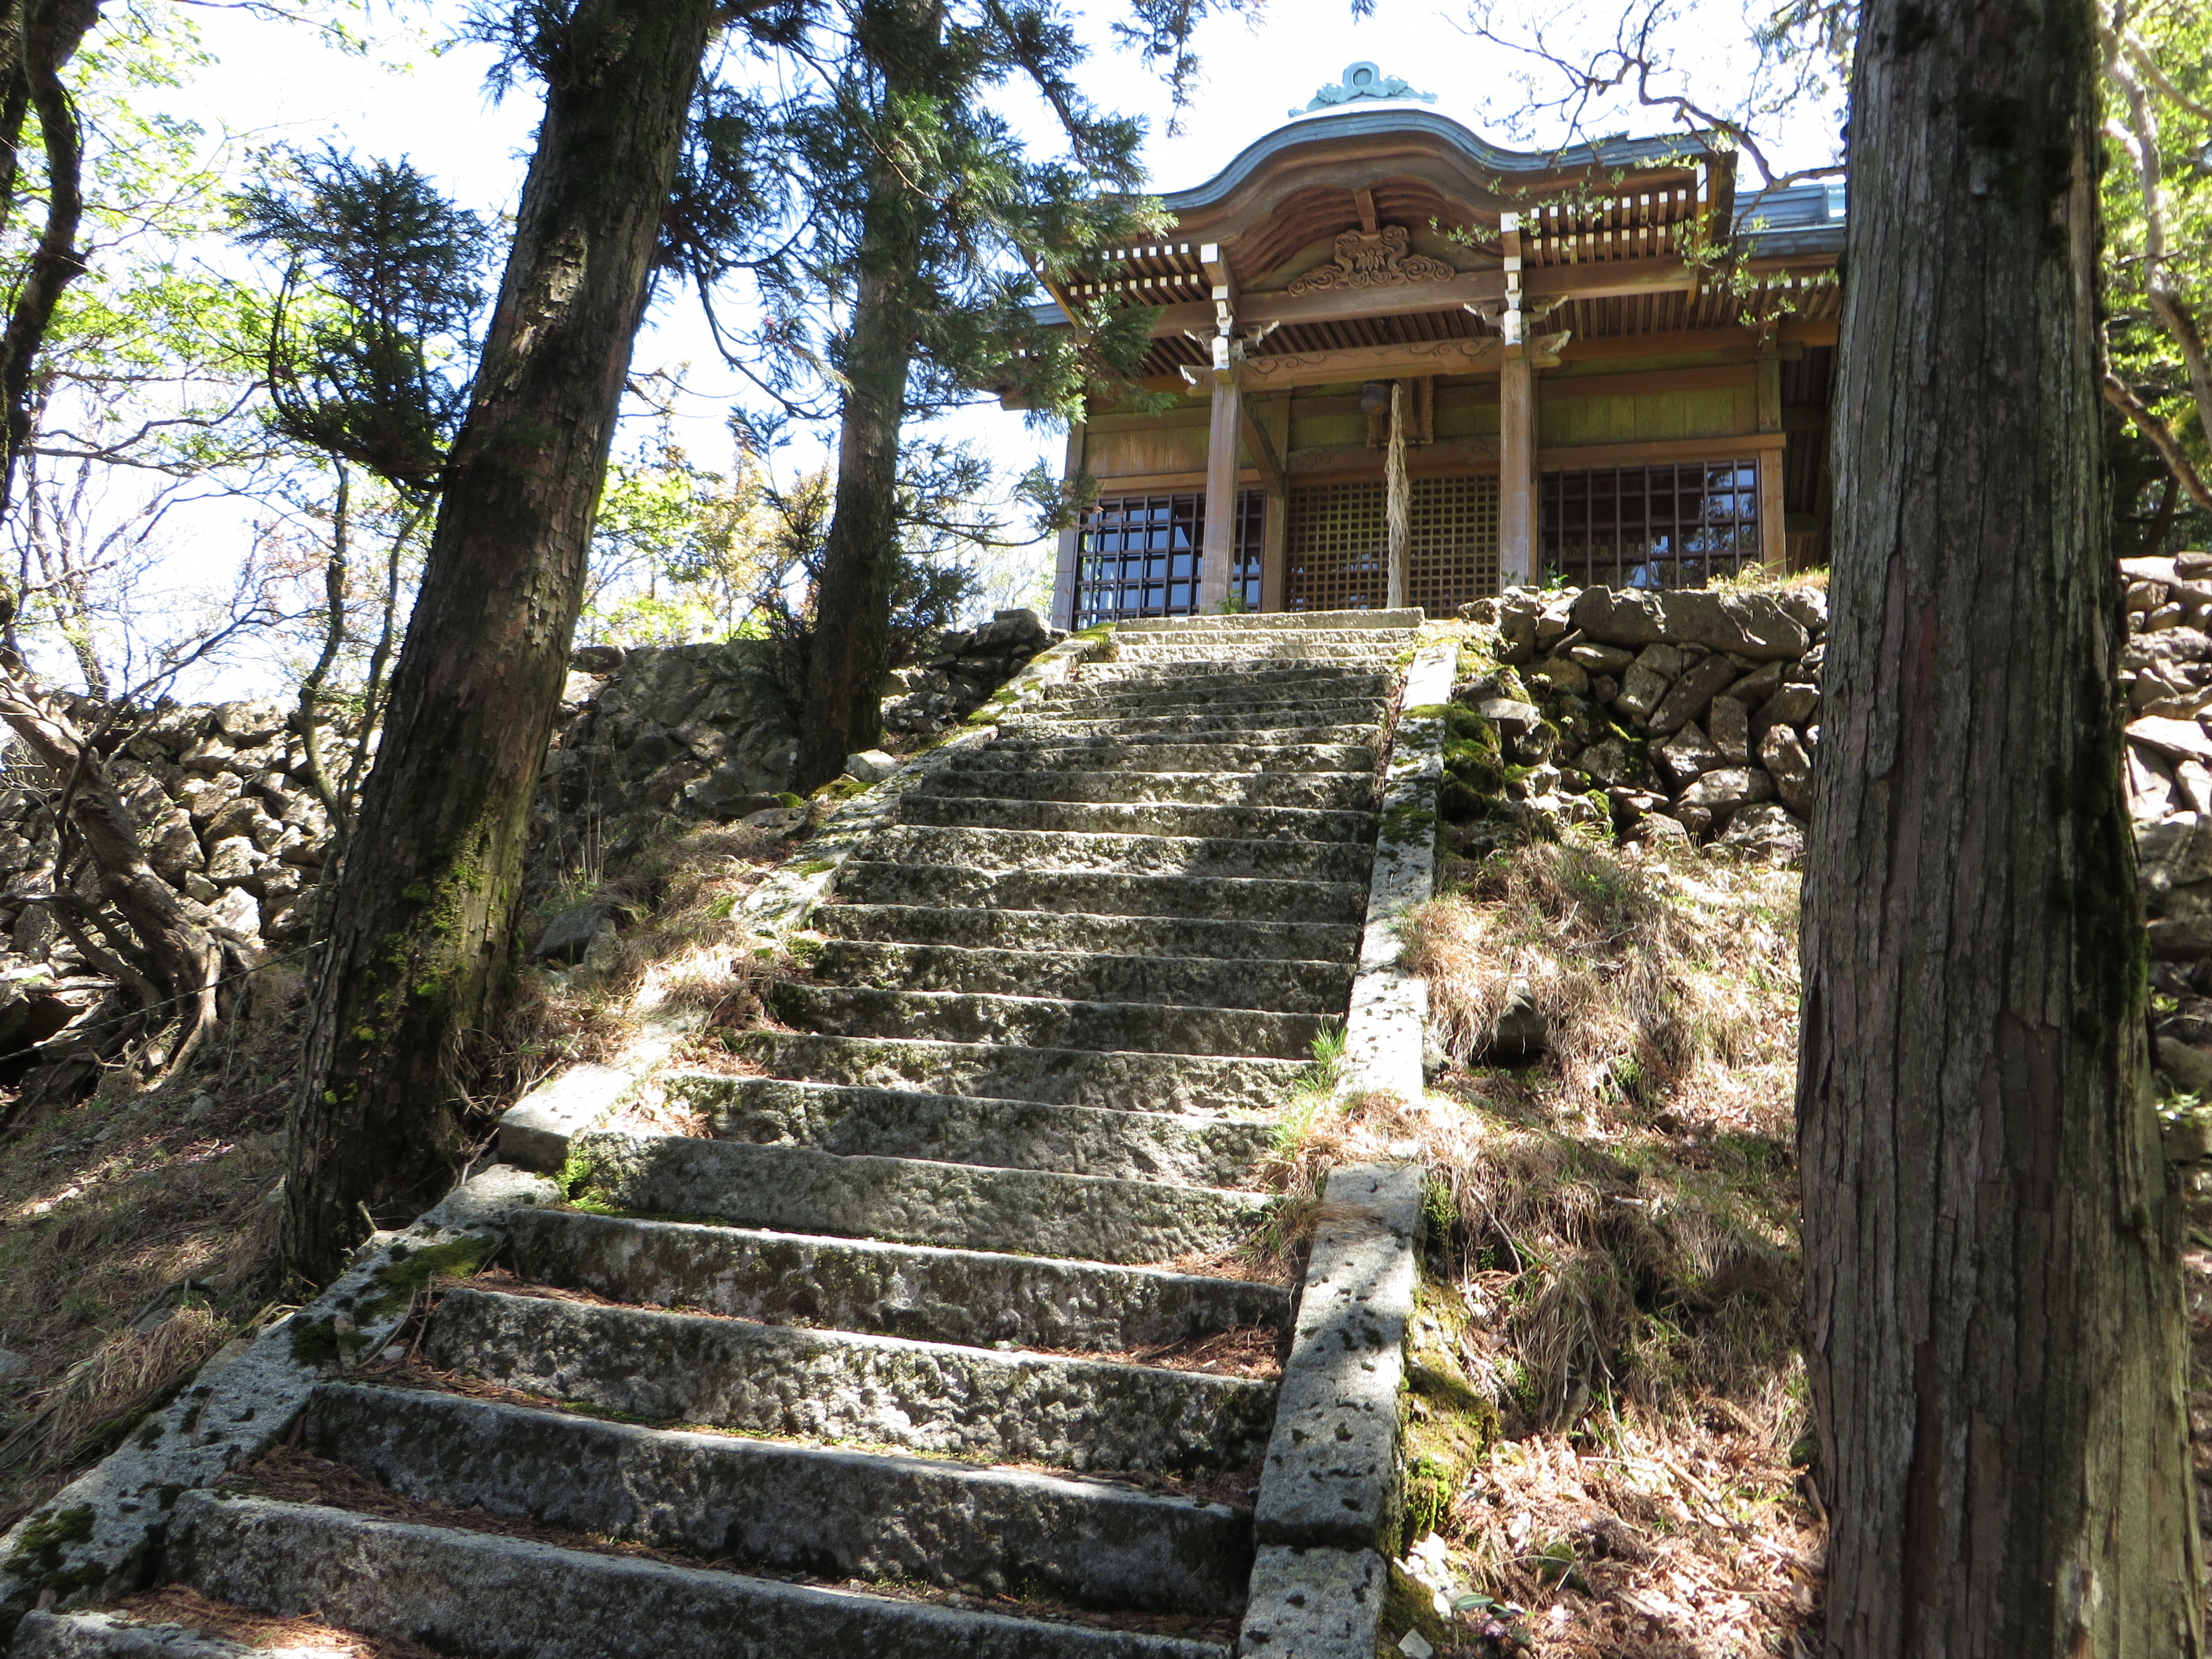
(1220, 544)
(1065, 566)
(1773, 528)
(1272, 571)
(1516, 467)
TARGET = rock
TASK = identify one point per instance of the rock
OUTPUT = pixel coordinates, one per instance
(234, 859)
(596, 659)
(1659, 830)
(197, 887)
(34, 932)
(2192, 565)
(568, 936)
(1609, 761)
(1768, 833)
(1562, 674)
(1784, 757)
(2165, 616)
(1755, 624)
(1520, 1033)
(603, 955)
(235, 817)
(251, 722)
(12, 1364)
(1792, 705)
(204, 797)
(1666, 661)
(1809, 606)
(2189, 1069)
(2195, 782)
(1512, 717)
(2147, 570)
(2171, 737)
(1687, 699)
(2143, 596)
(1688, 754)
(1604, 688)
(238, 910)
(1479, 611)
(209, 756)
(2167, 645)
(1728, 723)
(777, 820)
(1601, 659)
(1641, 688)
(1721, 791)
(873, 765)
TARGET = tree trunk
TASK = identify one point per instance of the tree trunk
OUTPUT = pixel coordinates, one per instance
(1995, 1336)
(850, 650)
(426, 902)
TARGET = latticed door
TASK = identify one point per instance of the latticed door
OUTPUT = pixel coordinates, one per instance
(1338, 538)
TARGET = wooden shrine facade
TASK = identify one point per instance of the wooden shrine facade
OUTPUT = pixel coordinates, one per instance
(1602, 366)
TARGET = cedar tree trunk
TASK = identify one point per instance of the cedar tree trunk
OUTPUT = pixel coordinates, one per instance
(850, 650)
(426, 902)
(1995, 1334)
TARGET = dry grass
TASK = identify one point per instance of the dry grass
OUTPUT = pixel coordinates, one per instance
(683, 957)
(1613, 1263)
(179, 1604)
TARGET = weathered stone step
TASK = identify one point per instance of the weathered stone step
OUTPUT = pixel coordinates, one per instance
(1131, 674)
(1206, 737)
(827, 1513)
(1100, 893)
(1264, 622)
(1072, 1077)
(983, 1404)
(109, 1635)
(1048, 1023)
(1006, 1134)
(1047, 930)
(471, 1593)
(1249, 754)
(1289, 988)
(944, 811)
(1374, 650)
(913, 1200)
(975, 1298)
(1338, 792)
(1123, 854)
(1363, 717)
(1223, 691)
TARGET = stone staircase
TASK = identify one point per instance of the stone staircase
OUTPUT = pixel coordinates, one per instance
(941, 1306)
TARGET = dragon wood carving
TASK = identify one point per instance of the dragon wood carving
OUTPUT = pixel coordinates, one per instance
(1378, 261)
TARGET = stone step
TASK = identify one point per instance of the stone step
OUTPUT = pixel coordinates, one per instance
(825, 1512)
(1133, 675)
(913, 1200)
(1076, 852)
(1263, 622)
(983, 1404)
(1208, 736)
(1099, 893)
(1004, 1134)
(1223, 691)
(1047, 1023)
(1070, 1076)
(1249, 754)
(1374, 651)
(1335, 792)
(974, 1297)
(1363, 717)
(1288, 988)
(1133, 817)
(462, 1592)
(1047, 930)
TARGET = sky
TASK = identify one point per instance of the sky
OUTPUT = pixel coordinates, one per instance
(272, 81)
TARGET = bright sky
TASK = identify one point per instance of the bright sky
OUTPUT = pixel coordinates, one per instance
(276, 82)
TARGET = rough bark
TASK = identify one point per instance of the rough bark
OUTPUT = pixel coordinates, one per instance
(849, 651)
(426, 902)
(1995, 1334)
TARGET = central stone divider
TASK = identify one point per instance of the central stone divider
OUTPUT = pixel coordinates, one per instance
(1075, 957)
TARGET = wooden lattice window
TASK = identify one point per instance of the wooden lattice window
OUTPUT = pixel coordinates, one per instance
(1338, 535)
(1679, 525)
(1141, 555)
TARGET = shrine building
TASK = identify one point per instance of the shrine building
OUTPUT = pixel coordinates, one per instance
(1409, 367)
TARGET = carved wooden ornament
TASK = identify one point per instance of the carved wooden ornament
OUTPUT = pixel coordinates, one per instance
(1378, 261)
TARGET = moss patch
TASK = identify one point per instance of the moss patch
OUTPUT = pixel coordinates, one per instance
(1448, 1425)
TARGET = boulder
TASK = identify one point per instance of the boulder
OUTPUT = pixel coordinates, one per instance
(238, 910)
(1792, 705)
(596, 659)
(1688, 698)
(1609, 761)
(1768, 833)
(2189, 1069)
(777, 820)
(1661, 829)
(1601, 659)
(873, 765)
(1725, 788)
(1784, 757)
(2173, 737)
(1755, 624)
(568, 936)
(1640, 689)
(1728, 723)
(1688, 754)
(2169, 645)
(1562, 674)
(234, 859)
(249, 723)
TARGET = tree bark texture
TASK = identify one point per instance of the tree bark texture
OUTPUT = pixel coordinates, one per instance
(1996, 1335)
(849, 651)
(426, 902)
